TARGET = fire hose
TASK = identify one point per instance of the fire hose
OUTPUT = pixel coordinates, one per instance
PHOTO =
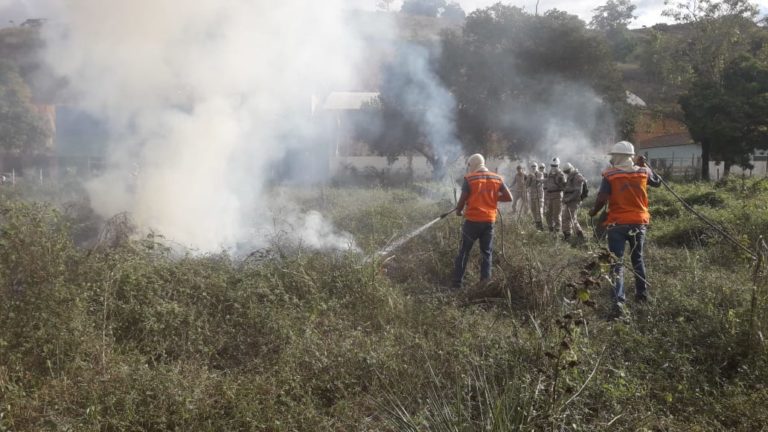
(706, 220)
(696, 213)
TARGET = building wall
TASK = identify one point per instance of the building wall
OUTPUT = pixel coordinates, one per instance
(685, 160)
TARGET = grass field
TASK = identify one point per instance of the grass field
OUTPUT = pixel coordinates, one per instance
(132, 337)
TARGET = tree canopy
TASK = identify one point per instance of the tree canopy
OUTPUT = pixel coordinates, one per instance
(509, 69)
(429, 8)
(613, 19)
(693, 63)
(731, 118)
(415, 113)
(22, 129)
(454, 12)
(613, 15)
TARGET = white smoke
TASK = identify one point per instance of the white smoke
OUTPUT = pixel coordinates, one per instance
(199, 96)
(315, 232)
(578, 129)
(571, 122)
(434, 106)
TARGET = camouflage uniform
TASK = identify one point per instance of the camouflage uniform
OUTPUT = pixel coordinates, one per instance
(554, 186)
(571, 202)
(535, 186)
(518, 185)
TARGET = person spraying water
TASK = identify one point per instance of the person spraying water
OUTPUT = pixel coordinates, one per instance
(481, 193)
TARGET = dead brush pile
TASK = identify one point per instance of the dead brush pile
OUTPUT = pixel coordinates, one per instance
(128, 336)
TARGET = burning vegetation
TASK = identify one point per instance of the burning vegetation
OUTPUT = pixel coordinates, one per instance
(233, 217)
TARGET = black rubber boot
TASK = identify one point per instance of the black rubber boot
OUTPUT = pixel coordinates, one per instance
(566, 236)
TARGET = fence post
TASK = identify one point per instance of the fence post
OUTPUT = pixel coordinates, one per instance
(755, 331)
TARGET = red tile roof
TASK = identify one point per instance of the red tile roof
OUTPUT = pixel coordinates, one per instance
(670, 140)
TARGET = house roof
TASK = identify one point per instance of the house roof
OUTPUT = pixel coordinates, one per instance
(349, 101)
(670, 140)
(635, 100)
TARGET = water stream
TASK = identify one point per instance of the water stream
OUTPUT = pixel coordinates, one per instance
(404, 239)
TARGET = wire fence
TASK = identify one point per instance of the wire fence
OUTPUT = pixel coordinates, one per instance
(689, 168)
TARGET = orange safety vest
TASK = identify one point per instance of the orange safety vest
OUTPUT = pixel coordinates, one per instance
(628, 201)
(483, 199)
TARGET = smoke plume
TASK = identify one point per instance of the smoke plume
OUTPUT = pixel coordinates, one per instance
(203, 99)
(571, 122)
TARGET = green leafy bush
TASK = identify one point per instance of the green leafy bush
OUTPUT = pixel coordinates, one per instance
(137, 337)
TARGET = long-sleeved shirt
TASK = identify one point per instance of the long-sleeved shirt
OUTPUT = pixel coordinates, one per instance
(518, 183)
(573, 186)
(555, 182)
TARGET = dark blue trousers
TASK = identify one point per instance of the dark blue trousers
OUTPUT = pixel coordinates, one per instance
(470, 232)
(618, 237)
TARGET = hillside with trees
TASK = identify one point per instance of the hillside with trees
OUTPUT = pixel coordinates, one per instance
(23, 129)
(687, 71)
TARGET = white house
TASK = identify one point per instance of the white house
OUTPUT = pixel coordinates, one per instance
(676, 154)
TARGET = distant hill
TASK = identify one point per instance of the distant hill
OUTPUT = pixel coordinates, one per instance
(636, 78)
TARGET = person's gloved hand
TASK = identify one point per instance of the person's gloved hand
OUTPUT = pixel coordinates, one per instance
(642, 161)
(592, 213)
(459, 212)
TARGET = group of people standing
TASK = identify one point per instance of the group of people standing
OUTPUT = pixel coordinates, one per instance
(553, 196)
(556, 195)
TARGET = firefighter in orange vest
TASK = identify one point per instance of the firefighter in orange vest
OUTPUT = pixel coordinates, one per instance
(481, 193)
(625, 189)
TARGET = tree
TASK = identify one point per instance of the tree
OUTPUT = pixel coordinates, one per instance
(22, 129)
(428, 8)
(613, 19)
(719, 31)
(730, 120)
(453, 12)
(613, 15)
(415, 111)
(512, 72)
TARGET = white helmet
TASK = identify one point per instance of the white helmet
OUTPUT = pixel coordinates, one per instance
(555, 162)
(534, 165)
(475, 162)
(567, 168)
(623, 148)
(542, 166)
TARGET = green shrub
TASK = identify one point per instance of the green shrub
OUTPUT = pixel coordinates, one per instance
(137, 337)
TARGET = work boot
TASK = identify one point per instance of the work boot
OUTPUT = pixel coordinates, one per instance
(566, 236)
(618, 312)
(539, 226)
(580, 235)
